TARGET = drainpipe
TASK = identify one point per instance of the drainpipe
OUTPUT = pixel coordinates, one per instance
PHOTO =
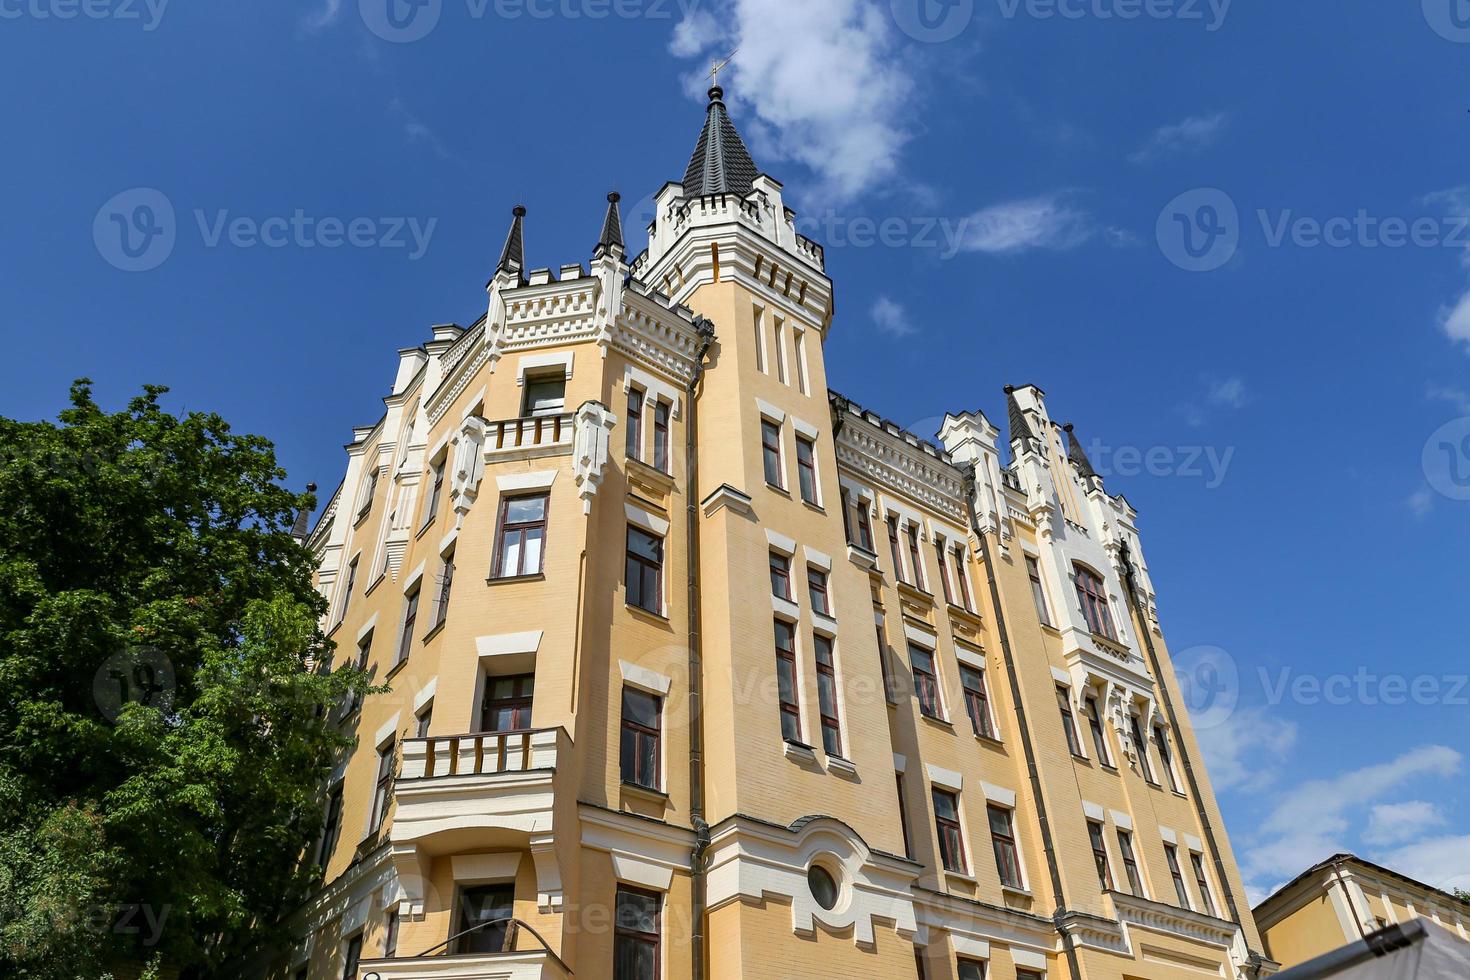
(1141, 619)
(1059, 916)
(697, 881)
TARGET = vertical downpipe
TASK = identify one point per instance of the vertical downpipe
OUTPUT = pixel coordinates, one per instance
(697, 883)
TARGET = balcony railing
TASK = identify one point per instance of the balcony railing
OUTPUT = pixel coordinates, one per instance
(480, 754)
(532, 432)
(523, 955)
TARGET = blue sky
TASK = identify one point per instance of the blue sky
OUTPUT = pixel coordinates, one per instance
(1118, 209)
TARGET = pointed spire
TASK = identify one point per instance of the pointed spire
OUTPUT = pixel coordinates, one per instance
(303, 518)
(513, 256)
(721, 164)
(1020, 426)
(612, 227)
(1076, 455)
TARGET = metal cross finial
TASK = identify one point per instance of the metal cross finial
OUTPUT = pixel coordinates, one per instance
(715, 67)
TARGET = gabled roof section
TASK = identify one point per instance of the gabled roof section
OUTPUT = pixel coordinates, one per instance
(721, 164)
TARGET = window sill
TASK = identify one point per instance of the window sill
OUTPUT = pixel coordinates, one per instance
(990, 740)
(512, 579)
(423, 530)
(1016, 892)
(395, 669)
(1049, 628)
(962, 876)
(656, 617)
(935, 720)
(799, 751)
(824, 621)
(777, 489)
(1182, 796)
(813, 505)
(963, 613)
(915, 592)
(376, 582)
(435, 631)
(862, 557)
(841, 766)
(648, 471)
(361, 517)
(1108, 767)
(645, 792)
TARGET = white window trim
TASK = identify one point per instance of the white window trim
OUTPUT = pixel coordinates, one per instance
(508, 644)
(780, 542)
(536, 363)
(644, 679)
(517, 482)
(425, 695)
(474, 869)
(945, 778)
(651, 523)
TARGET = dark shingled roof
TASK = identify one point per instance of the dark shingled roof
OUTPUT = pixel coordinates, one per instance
(1076, 455)
(612, 226)
(303, 519)
(1020, 427)
(513, 256)
(721, 164)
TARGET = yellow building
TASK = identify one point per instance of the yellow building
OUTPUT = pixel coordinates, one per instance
(1345, 899)
(700, 669)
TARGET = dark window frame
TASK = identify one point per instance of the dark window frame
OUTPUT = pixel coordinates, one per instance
(1098, 732)
(790, 708)
(641, 734)
(633, 441)
(1181, 891)
(771, 454)
(780, 565)
(1100, 854)
(521, 702)
(916, 558)
(1038, 591)
(1145, 764)
(387, 756)
(1092, 596)
(1069, 721)
(806, 470)
(939, 554)
(649, 594)
(816, 586)
(1202, 882)
(446, 586)
(1007, 857)
(961, 559)
(950, 831)
(505, 529)
(1130, 863)
(828, 708)
(623, 935)
(410, 620)
(926, 682)
(661, 436)
(977, 700)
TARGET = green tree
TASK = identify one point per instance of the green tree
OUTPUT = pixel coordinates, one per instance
(166, 696)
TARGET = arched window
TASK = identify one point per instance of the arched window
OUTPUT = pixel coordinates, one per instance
(1093, 597)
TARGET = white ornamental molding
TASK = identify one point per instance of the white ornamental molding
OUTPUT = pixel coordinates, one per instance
(593, 426)
(469, 466)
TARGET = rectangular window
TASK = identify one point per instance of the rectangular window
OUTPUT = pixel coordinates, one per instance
(645, 570)
(661, 436)
(893, 549)
(816, 584)
(972, 969)
(364, 650)
(1197, 862)
(1038, 594)
(1100, 855)
(545, 396)
(926, 681)
(633, 444)
(331, 826)
(1069, 723)
(903, 818)
(806, 469)
(351, 956)
(347, 589)
(1027, 975)
(521, 539)
(446, 584)
(1172, 854)
(383, 784)
(855, 520)
(636, 935)
(1093, 597)
(1130, 863)
(422, 721)
(890, 683)
(390, 935)
(410, 617)
(778, 351)
(640, 742)
(507, 703)
(1166, 757)
(771, 453)
(798, 338)
(943, 570)
(951, 837)
(369, 491)
(961, 560)
(1003, 838)
(436, 488)
(919, 970)
(977, 702)
(1099, 737)
(786, 681)
(780, 576)
(827, 695)
(916, 563)
(1140, 745)
(484, 918)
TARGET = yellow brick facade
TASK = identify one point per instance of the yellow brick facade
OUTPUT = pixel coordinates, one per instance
(722, 321)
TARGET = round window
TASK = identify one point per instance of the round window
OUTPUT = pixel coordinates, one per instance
(823, 886)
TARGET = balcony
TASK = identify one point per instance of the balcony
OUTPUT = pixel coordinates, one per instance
(525, 956)
(485, 791)
(529, 436)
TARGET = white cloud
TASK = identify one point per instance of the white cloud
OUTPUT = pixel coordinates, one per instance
(1045, 222)
(1229, 393)
(1397, 823)
(1443, 862)
(322, 17)
(1190, 136)
(827, 81)
(892, 318)
(1311, 821)
(1420, 503)
(1455, 319)
(1243, 754)
(1458, 397)
(417, 131)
